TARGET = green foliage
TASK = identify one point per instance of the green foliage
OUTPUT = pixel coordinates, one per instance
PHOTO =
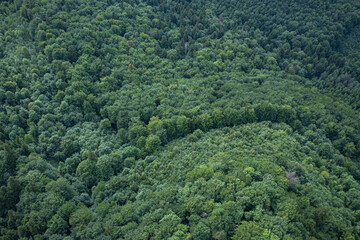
(61, 187)
(152, 144)
(81, 217)
(10, 159)
(58, 225)
(104, 168)
(200, 171)
(105, 124)
(86, 169)
(247, 230)
(179, 119)
(202, 232)
(168, 225)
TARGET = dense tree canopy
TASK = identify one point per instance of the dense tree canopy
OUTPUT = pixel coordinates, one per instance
(179, 119)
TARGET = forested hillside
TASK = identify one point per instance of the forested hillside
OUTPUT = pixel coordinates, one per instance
(180, 120)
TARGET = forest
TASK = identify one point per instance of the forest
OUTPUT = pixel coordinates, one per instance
(180, 119)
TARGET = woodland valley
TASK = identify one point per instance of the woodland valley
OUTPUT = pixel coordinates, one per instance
(180, 119)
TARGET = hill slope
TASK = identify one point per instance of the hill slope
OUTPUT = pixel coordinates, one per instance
(179, 119)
